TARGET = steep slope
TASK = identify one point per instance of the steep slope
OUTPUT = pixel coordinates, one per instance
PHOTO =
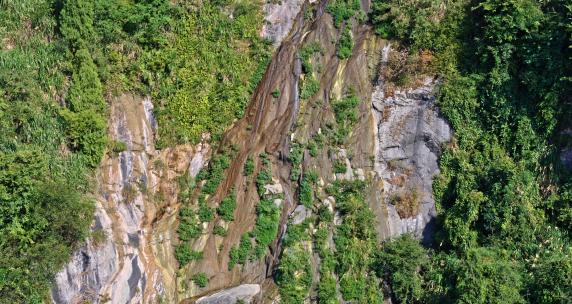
(283, 124)
(137, 191)
(292, 127)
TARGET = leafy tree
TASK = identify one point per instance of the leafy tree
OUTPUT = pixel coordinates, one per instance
(400, 263)
(488, 276)
(294, 275)
(76, 24)
(86, 132)
(342, 10)
(86, 91)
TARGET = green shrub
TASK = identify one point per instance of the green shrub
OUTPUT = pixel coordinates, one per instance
(296, 233)
(239, 255)
(76, 24)
(345, 44)
(86, 91)
(342, 10)
(326, 289)
(87, 134)
(276, 93)
(200, 279)
(189, 227)
(488, 276)
(310, 86)
(215, 172)
(400, 263)
(267, 222)
(249, 166)
(340, 167)
(233, 257)
(296, 154)
(294, 275)
(345, 109)
(306, 54)
(206, 214)
(117, 146)
(99, 237)
(355, 241)
(219, 230)
(412, 21)
(227, 207)
(306, 192)
(184, 254)
(312, 148)
(263, 178)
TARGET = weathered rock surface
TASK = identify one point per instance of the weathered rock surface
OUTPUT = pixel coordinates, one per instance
(119, 265)
(409, 134)
(299, 214)
(394, 147)
(279, 19)
(245, 292)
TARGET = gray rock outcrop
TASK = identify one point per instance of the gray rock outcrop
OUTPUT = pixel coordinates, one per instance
(117, 264)
(409, 134)
(279, 18)
(245, 292)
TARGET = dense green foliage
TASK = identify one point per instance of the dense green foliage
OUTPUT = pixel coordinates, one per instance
(355, 244)
(345, 44)
(218, 59)
(399, 263)
(219, 230)
(249, 166)
(264, 177)
(310, 85)
(59, 60)
(342, 10)
(266, 226)
(239, 254)
(346, 114)
(503, 194)
(294, 275)
(226, 207)
(184, 255)
(200, 279)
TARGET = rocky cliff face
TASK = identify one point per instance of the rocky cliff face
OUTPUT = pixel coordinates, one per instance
(136, 194)
(409, 134)
(394, 146)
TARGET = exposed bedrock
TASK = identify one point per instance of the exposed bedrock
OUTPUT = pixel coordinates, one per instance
(409, 134)
(136, 192)
(394, 146)
(245, 292)
(279, 18)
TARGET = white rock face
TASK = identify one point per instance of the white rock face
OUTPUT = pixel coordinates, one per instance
(274, 188)
(409, 135)
(121, 268)
(300, 214)
(245, 292)
(279, 18)
(115, 270)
